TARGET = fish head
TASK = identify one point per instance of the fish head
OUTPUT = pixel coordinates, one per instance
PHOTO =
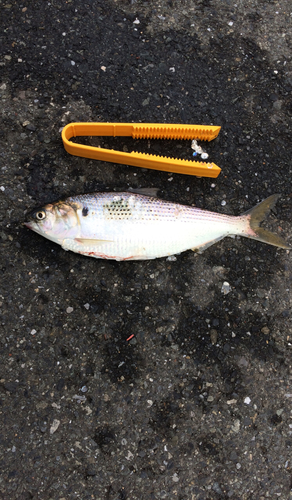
(55, 221)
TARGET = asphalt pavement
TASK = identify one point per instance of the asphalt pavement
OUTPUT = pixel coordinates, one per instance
(152, 379)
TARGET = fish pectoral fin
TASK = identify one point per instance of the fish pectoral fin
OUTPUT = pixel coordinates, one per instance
(91, 241)
(78, 244)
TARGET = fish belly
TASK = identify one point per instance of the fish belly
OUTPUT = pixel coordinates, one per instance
(125, 240)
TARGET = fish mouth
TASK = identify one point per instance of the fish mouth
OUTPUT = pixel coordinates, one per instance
(28, 224)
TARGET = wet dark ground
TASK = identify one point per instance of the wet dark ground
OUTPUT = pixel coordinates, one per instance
(197, 404)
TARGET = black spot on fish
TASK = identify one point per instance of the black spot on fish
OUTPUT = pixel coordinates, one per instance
(84, 211)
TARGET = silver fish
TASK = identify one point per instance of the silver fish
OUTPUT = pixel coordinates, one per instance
(127, 226)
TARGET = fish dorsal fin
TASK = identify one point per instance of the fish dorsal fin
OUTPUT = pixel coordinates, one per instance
(152, 192)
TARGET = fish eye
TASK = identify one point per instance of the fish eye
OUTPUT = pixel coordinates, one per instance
(40, 215)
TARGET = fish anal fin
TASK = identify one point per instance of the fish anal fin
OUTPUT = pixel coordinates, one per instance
(203, 247)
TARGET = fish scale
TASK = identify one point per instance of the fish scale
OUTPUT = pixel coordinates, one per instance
(128, 226)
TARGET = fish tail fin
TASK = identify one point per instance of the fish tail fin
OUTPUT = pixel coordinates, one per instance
(256, 215)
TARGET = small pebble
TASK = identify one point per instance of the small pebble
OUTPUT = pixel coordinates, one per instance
(247, 400)
(33, 332)
(79, 398)
(69, 310)
(87, 306)
(129, 456)
(226, 288)
(236, 425)
(54, 426)
(223, 203)
(213, 336)
(171, 258)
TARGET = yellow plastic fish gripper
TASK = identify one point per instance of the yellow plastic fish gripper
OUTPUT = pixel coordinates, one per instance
(142, 131)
